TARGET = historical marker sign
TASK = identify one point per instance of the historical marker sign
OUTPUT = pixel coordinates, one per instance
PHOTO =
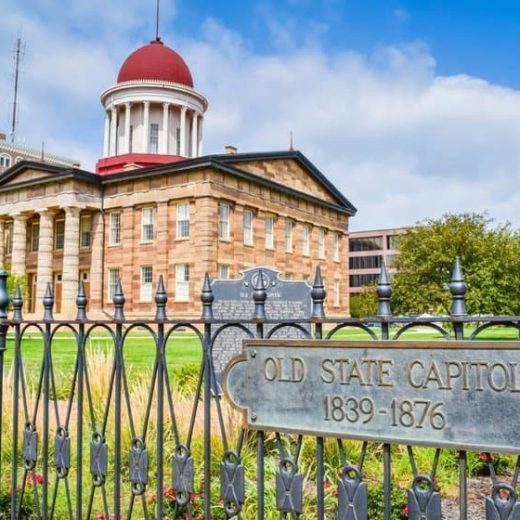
(461, 395)
(286, 300)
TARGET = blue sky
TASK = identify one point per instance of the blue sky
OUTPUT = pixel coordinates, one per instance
(412, 108)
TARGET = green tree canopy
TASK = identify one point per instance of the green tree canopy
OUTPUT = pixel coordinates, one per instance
(490, 259)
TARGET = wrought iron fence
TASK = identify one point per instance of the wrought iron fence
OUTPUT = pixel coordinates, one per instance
(137, 447)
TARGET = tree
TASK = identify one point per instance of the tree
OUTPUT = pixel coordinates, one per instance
(490, 258)
(364, 303)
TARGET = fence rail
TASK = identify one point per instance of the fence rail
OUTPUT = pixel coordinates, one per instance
(103, 440)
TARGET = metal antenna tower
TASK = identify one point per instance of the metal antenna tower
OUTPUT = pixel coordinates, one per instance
(18, 56)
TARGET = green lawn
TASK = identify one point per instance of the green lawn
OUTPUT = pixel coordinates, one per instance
(182, 349)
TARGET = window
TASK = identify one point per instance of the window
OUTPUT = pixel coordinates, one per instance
(306, 240)
(365, 262)
(336, 293)
(85, 230)
(35, 236)
(59, 234)
(360, 280)
(183, 220)
(154, 138)
(366, 244)
(392, 241)
(321, 243)
(115, 228)
(5, 160)
(113, 277)
(145, 293)
(269, 232)
(131, 139)
(223, 221)
(288, 236)
(146, 224)
(335, 244)
(182, 282)
(8, 239)
(248, 227)
(223, 271)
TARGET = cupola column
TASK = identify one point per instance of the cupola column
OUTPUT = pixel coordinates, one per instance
(146, 125)
(201, 121)
(113, 131)
(106, 144)
(183, 131)
(128, 113)
(194, 135)
(165, 128)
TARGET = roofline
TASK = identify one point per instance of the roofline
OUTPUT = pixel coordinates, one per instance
(55, 173)
(345, 205)
(214, 162)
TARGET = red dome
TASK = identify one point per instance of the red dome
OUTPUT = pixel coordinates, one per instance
(155, 61)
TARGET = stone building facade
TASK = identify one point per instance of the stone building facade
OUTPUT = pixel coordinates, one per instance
(157, 207)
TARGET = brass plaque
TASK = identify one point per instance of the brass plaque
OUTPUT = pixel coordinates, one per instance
(461, 395)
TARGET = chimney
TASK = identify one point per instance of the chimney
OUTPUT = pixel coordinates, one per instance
(2, 136)
(231, 150)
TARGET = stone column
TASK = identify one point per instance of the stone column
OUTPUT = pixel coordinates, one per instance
(113, 131)
(127, 126)
(201, 121)
(146, 125)
(19, 245)
(70, 274)
(45, 250)
(183, 131)
(165, 129)
(96, 264)
(194, 135)
(106, 144)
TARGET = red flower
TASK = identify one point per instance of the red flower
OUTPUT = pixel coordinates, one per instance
(405, 511)
(487, 457)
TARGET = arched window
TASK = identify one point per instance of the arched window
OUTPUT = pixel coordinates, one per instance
(5, 160)
(18, 159)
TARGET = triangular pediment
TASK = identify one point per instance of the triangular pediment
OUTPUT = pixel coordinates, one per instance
(292, 170)
(29, 172)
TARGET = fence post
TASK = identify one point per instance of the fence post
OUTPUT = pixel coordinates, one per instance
(457, 312)
(4, 302)
(119, 317)
(17, 318)
(81, 317)
(161, 299)
(384, 313)
(318, 295)
(207, 298)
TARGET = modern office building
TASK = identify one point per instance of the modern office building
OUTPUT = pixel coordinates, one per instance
(367, 251)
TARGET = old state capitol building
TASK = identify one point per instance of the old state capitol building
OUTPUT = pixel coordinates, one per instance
(157, 206)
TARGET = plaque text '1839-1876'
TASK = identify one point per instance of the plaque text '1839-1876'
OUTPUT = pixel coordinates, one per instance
(450, 394)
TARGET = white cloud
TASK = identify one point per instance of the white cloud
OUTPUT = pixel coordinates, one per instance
(401, 142)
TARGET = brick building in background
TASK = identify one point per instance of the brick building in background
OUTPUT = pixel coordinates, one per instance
(157, 206)
(13, 153)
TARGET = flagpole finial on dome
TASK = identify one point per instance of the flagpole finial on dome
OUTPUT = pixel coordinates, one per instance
(157, 37)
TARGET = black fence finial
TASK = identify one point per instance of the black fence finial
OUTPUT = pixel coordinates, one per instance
(119, 301)
(384, 292)
(318, 295)
(4, 295)
(81, 302)
(161, 298)
(260, 295)
(458, 290)
(207, 297)
(17, 304)
(48, 303)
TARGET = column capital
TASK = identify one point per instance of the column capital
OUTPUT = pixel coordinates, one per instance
(20, 217)
(184, 108)
(146, 103)
(128, 104)
(45, 211)
(72, 210)
(113, 109)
